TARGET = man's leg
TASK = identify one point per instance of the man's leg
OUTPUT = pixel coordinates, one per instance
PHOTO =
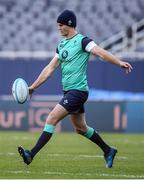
(81, 127)
(58, 113)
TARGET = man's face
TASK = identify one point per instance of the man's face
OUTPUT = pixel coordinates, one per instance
(63, 29)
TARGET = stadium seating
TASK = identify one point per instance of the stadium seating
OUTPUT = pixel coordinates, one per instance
(27, 25)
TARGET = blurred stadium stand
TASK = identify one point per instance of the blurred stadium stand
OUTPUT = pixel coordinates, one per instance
(28, 31)
(27, 25)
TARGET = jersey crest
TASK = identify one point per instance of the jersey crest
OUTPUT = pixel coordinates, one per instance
(64, 54)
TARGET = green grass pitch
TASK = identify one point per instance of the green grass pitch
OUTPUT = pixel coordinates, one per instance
(71, 156)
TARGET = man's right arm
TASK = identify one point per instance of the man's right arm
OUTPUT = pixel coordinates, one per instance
(45, 74)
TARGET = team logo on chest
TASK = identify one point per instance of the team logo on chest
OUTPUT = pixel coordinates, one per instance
(64, 54)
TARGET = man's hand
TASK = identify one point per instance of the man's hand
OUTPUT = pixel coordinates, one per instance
(31, 90)
(126, 66)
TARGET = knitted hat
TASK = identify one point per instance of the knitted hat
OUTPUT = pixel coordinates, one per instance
(68, 18)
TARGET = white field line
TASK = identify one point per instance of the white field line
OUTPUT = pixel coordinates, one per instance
(9, 154)
(80, 174)
(16, 138)
(124, 141)
(68, 155)
(83, 156)
(100, 156)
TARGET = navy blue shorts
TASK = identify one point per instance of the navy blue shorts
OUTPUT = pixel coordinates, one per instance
(73, 101)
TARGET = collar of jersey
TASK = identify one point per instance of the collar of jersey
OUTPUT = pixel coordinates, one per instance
(72, 36)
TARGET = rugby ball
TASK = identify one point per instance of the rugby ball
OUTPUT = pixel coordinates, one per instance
(20, 90)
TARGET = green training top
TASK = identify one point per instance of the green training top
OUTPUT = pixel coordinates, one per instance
(73, 60)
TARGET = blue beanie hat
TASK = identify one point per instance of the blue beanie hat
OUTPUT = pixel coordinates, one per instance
(68, 18)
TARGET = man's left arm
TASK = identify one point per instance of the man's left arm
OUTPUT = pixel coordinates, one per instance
(107, 56)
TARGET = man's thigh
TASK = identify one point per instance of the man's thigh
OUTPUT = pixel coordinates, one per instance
(57, 114)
